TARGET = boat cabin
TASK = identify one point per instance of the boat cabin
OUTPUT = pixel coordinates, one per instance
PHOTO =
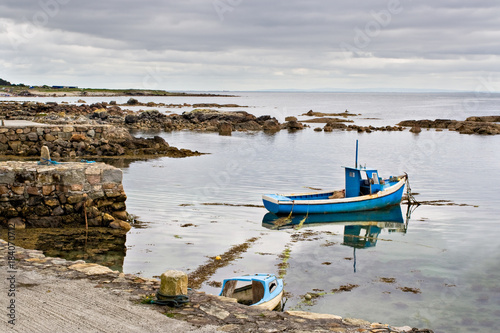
(361, 181)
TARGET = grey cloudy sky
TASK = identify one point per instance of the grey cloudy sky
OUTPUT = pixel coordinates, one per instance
(252, 44)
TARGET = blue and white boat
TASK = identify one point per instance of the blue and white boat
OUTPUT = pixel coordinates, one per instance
(364, 190)
(262, 290)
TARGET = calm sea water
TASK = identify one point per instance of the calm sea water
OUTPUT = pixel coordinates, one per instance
(439, 271)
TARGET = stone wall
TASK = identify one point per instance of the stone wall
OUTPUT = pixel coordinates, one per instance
(63, 141)
(58, 195)
(81, 141)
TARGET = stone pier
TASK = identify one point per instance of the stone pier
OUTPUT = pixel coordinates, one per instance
(62, 194)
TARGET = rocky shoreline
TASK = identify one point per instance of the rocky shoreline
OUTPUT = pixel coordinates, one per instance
(205, 118)
(111, 114)
(486, 125)
(203, 310)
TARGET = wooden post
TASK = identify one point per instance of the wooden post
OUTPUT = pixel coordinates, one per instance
(85, 211)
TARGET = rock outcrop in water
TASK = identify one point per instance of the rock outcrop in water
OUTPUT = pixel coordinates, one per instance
(104, 113)
(486, 125)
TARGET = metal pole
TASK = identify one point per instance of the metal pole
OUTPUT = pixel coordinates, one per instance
(356, 162)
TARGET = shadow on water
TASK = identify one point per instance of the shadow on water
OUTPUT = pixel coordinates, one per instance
(103, 246)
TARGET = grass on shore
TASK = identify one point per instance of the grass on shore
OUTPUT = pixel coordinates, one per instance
(17, 89)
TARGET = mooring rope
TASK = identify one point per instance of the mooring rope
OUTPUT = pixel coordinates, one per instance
(175, 301)
(49, 161)
(411, 198)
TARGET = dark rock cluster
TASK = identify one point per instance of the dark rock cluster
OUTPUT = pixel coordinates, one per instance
(330, 126)
(202, 120)
(487, 125)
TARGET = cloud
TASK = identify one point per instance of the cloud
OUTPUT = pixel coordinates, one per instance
(242, 44)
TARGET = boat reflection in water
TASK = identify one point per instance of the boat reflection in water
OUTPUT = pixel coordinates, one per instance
(391, 217)
(361, 229)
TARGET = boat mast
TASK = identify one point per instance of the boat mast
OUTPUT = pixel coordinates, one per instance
(356, 161)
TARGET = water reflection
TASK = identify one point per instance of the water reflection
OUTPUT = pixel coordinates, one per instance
(103, 246)
(361, 229)
(372, 222)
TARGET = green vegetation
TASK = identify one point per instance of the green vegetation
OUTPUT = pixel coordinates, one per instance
(4, 83)
(16, 89)
(283, 265)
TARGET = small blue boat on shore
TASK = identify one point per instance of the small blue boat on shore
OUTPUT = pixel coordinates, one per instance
(364, 190)
(262, 290)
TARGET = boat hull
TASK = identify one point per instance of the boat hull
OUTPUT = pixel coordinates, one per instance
(272, 303)
(318, 203)
(259, 290)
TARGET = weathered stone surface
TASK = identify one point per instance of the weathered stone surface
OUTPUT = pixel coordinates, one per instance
(415, 129)
(112, 176)
(4, 189)
(48, 189)
(120, 215)
(68, 129)
(215, 311)
(119, 224)
(53, 196)
(32, 136)
(78, 137)
(174, 283)
(225, 128)
(355, 321)
(311, 315)
(72, 176)
(118, 206)
(91, 269)
(293, 124)
(33, 190)
(72, 199)
(18, 189)
(57, 211)
(7, 175)
(17, 222)
(14, 145)
(49, 137)
(52, 202)
(487, 125)
(107, 218)
(88, 140)
(271, 125)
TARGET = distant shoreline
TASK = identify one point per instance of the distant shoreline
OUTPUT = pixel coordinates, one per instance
(20, 91)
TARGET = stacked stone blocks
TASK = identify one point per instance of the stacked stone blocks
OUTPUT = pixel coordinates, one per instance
(63, 141)
(58, 195)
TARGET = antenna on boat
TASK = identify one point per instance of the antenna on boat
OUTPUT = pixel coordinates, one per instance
(356, 161)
